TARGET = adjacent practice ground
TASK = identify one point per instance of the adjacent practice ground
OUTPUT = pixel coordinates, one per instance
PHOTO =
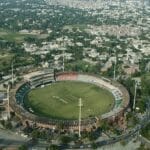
(61, 99)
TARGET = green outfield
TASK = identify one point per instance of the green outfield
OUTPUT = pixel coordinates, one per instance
(60, 100)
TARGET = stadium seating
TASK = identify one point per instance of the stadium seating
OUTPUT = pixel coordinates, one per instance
(21, 92)
(67, 76)
(41, 79)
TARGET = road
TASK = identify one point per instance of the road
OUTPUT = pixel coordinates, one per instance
(8, 138)
(144, 121)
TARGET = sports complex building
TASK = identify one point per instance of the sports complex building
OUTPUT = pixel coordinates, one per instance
(40, 79)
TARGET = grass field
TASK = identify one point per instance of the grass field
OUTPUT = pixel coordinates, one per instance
(5, 60)
(13, 36)
(18, 37)
(60, 100)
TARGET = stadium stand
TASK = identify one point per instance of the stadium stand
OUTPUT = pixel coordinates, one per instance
(22, 91)
(66, 76)
(41, 78)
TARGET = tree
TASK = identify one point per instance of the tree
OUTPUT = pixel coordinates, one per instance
(23, 147)
(8, 125)
(53, 147)
(92, 135)
(35, 134)
(142, 147)
(104, 125)
(145, 82)
(94, 145)
(146, 131)
(2, 122)
(65, 139)
(123, 142)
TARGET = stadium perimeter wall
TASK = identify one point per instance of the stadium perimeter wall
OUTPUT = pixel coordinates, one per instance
(26, 116)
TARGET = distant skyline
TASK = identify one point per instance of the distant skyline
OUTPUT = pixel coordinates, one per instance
(97, 4)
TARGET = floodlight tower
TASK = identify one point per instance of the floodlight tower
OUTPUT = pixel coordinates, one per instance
(142, 2)
(63, 55)
(115, 70)
(8, 102)
(110, 2)
(80, 106)
(12, 73)
(135, 92)
(125, 4)
(148, 2)
(148, 108)
(115, 66)
(120, 4)
(63, 61)
(64, 48)
(149, 67)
